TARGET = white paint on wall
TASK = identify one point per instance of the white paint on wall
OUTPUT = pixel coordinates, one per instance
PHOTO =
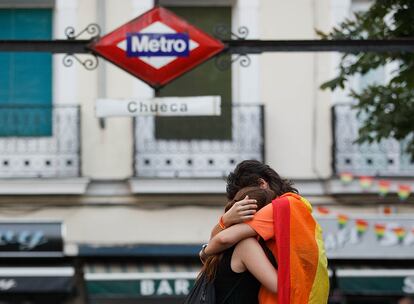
(106, 151)
(246, 80)
(297, 114)
(64, 86)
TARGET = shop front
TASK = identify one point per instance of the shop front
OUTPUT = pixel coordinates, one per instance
(144, 283)
(33, 268)
(371, 258)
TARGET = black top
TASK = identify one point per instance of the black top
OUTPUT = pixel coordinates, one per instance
(247, 289)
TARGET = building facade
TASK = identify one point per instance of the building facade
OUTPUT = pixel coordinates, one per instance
(132, 199)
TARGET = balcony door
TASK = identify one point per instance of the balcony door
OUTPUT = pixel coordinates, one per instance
(203, 80)
(25, 77)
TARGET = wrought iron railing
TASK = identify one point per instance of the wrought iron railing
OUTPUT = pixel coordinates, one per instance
(386, 158)
(199, 158)
(38, 141)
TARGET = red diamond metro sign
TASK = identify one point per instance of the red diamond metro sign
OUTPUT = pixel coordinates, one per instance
(157, 47)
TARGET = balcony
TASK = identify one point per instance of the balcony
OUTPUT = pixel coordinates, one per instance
(155, 158)
(39, 142)
(386, 158)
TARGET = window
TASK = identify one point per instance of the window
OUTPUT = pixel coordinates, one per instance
(26, 77)
(203, 80)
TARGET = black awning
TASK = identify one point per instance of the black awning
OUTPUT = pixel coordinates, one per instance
(36, 280)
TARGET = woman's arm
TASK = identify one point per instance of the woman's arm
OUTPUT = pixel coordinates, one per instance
(241, 211)
(227, 238)
(255, 260)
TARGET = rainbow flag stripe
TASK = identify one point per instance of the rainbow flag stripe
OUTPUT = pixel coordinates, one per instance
(361, 226)
(384, 187)
(400, 232)
(379, 230)
(404, 192)
(346, 177)
(323, 210)
(342, 220)
(365, 182)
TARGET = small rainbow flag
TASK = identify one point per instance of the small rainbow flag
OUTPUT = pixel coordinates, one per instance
(365, 182)
(404, 192)
(323, 210)
(379, 230)
(387, 210)
(400, 232)
(361, 226)
(384, 187)
(342, 220)
(346, 177)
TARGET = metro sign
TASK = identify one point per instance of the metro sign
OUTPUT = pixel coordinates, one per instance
(157, 47)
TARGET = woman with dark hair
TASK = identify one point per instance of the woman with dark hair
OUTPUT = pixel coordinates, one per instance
(250, 173)
(239, 271)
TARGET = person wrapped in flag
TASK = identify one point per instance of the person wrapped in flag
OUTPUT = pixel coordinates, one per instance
(290, 232)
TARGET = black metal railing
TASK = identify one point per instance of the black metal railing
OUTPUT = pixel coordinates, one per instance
(386, 158)
(39, 141)
(199, 158)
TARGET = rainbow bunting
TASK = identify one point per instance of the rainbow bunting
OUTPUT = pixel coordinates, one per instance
(400, 232)
(346, 177)
(323, 210)
(384, 187)
(404, 192)
(379, 230)
(361, 226)
(342, 220)
(365, 182)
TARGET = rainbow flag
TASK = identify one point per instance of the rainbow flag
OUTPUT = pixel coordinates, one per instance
(384, 187)
(387, 210)
(346, 177)
(400, 232)
(323, 210)
(302, 263)
(342, 220)
(404, 192)
(365, 182)
(379, 231)
(361, 226)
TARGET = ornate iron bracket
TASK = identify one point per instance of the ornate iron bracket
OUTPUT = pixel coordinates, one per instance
(90, 63)
(223, 32)
(92, 29)
(224, 60)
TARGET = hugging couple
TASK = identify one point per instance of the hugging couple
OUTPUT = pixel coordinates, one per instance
(267, 248)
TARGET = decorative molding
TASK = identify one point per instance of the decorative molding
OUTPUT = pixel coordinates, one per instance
(308, 187)
(177, 186)
(39, 186)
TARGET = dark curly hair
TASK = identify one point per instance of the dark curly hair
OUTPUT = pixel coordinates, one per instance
(249, 172)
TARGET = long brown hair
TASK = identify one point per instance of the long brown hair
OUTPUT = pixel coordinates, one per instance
(263, 197)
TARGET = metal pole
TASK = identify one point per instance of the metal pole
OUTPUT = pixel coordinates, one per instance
(346, 46)
(233, 46)
(49, 46)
